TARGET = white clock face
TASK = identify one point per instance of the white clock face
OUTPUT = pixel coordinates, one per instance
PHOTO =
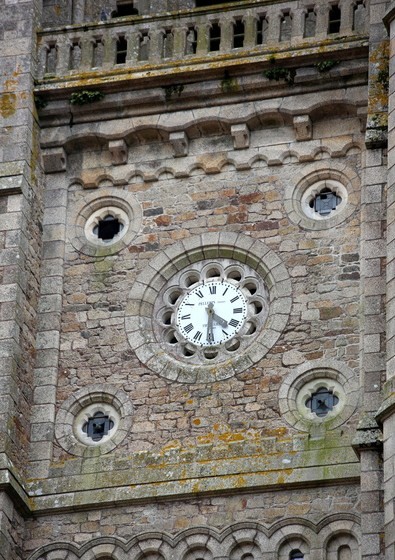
(211, 313)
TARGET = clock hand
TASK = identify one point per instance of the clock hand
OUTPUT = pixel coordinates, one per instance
(210, 334)
(219, 320)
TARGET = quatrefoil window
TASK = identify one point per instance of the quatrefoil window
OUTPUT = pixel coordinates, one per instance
(98, 426)
(322, 402)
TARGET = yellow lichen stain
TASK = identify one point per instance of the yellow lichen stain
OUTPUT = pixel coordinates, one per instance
(171, 445)
(8, 99)
(240, 482)
(378, 94)
(276, 432)
(57, 9)
(229, 437)
(196, 421)
(206, 439)
(7, 105)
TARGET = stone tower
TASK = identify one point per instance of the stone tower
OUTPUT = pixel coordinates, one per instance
(197, 280)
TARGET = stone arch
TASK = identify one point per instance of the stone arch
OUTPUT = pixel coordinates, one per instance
(342, 546)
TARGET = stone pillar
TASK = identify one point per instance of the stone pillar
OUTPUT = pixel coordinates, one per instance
(368, 445)
(21, 217)
(387, 412)
(11, 530)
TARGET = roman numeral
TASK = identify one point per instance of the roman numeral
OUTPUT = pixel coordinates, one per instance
(225, 291)
(199, 294)
(188, 328)
(234, 323)
(197, 336)
(225, 332)
(238, 310)
(184, 317)
(234, 299)
(213, 289)
(190, 304)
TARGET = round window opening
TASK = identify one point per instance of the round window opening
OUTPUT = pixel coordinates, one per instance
(96, 424)
(106, 226)
(324, 199)
(320, 399)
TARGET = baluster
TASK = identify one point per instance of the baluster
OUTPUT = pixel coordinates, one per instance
(63, 51)
(202, 39)
(309, 22)
(347, 12)
(249, 31)
(86, 53)
(226, 43)
(110, 41)
(97, 52)
(322, 20)
(144, 46)
(132, 54)
(273, 35)
(43, 59)
(156, 42)
(179, 42)
(298, 16)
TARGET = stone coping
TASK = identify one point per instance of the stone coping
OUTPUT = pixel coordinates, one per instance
(125, 482)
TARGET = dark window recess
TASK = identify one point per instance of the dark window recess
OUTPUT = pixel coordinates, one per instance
(108, 228)
(295, 554)
(125, 9)
(98, 426)
(122, 48)
(215, 37)
(238, 34)
(322, 401)
(262, 26)
(334, 19)
(325, 202)
(191, 43)
(310, 21)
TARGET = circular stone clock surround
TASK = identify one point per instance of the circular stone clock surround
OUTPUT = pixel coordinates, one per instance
(141, 323)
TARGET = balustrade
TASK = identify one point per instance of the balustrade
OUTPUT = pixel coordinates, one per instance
(111, 44)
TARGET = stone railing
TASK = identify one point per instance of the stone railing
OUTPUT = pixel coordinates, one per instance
(253, 27)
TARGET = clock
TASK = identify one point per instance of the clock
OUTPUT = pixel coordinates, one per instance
(211, 313)
(208, 307)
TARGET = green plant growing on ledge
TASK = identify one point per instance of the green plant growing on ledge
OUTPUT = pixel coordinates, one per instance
(176, 89)
(85, 96)
(279, 73)
(326, 65)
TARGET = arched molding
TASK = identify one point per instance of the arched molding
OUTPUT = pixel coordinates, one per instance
(232, 542)
(218, 123)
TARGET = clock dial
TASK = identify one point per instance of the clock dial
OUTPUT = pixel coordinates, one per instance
(211, 313)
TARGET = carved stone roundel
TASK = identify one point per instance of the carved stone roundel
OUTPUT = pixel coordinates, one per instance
(208, 307)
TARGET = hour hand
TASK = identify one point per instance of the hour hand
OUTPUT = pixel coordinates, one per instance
(210, 334)
(219, 320)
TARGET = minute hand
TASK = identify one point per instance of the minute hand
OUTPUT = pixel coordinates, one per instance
(219, 320)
